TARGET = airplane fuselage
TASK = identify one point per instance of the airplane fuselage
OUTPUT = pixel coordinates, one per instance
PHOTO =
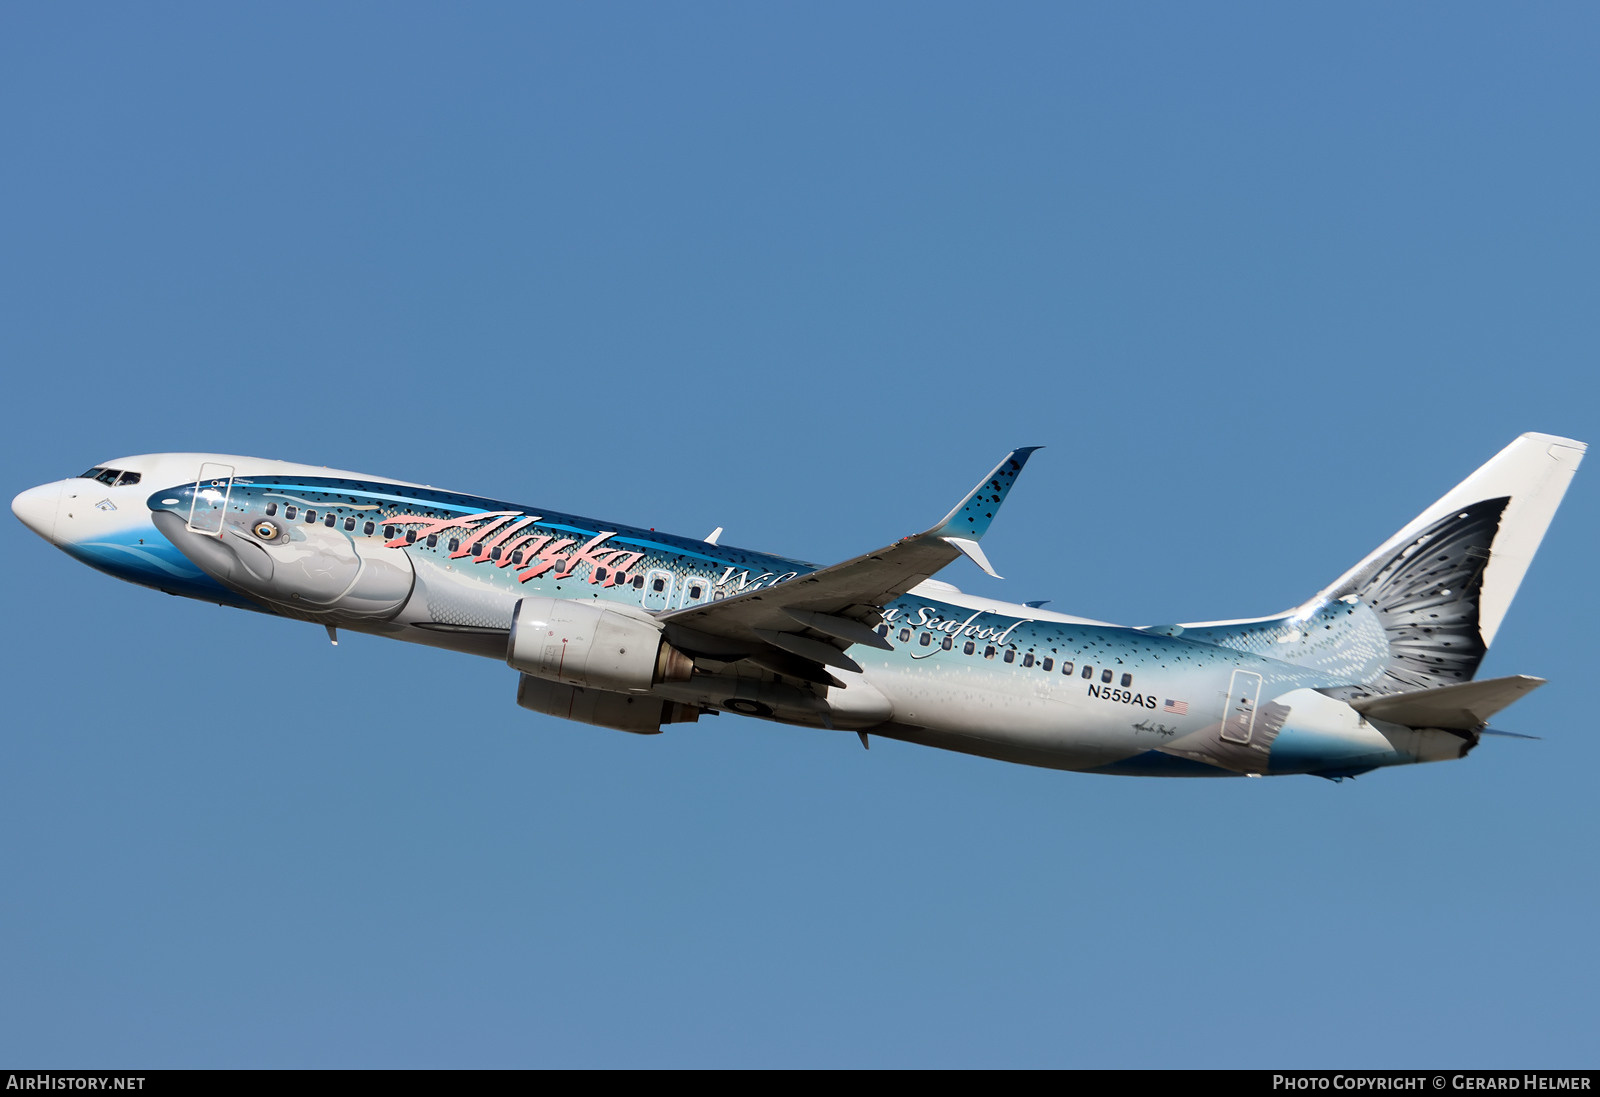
(943, 668)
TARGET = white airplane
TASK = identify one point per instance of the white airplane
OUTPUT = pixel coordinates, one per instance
(632, 629)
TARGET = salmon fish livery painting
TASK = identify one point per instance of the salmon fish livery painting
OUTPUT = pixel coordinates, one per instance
(631, 629)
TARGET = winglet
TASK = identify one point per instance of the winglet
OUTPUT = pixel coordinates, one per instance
(971, 518)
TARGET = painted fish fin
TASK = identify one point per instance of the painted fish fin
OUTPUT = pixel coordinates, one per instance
(1420, 611)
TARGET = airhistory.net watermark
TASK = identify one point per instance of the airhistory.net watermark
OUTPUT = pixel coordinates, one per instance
(45, 1080)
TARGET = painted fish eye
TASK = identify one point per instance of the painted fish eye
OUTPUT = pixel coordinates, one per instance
(265, 530)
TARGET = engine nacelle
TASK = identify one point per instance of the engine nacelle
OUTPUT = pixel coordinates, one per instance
(599, 647)
(640, 715)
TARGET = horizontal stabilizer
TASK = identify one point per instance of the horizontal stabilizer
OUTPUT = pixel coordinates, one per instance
(1464, 707)
(1508, 734)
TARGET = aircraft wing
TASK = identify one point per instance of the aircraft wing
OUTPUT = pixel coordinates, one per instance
(800, 626)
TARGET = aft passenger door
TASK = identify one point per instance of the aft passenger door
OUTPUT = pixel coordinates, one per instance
(1239, 715)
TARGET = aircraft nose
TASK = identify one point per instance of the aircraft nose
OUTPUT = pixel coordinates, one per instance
(36, 507)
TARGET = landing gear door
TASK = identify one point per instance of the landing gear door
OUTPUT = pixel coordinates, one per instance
(1239, 717)
(212, 488)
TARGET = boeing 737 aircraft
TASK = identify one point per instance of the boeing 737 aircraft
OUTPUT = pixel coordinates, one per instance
(632, 629)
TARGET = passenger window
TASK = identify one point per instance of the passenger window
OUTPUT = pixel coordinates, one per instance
(638, 582)
(329, 521)
(1011, 655)
(923, 639)
(1127, 680)
(1066, 668)
(600, 575)
(882, 630)
(349, 525)
(516, 558)
(1049, 663)
(454, 545)
(969, 648)
(311, 517)
(905, 634)
(659, 585)
(272, 508)
(947, 643)
(1027, 660)
(494, 553)
(1088, 671)
(411, 536)
(290, 512)
(1105, 675)
(368, 528)
(433, 540)
(694, 592)
(988, 651)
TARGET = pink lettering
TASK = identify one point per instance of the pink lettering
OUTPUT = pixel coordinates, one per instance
(489, 546)
(587, 555)
(543, 562)
(537, 540)
(437, 525)
(471, 543)
(507, 530)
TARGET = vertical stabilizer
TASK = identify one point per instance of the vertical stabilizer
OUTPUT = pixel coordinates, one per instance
(1422, 609)
(1497, 516)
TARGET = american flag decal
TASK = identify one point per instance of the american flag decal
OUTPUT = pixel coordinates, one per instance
(1177, 708)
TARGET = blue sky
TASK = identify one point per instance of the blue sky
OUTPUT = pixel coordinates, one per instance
(1266, 280)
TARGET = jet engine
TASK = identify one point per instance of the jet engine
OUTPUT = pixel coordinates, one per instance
(622, 711)
(597, 647)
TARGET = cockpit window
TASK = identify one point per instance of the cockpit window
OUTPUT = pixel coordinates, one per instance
(110, 477)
